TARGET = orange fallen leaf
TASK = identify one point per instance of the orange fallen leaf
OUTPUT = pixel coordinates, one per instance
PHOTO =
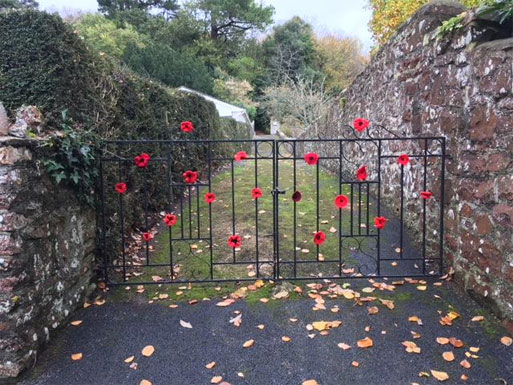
(129, 359)
(310, 382)
(210, 365)
(365, 343)
(355, 364)
(99, 302)
(185, 324)
(264, 300)
(465, 364)
(506, 341)
(248, 343)
(442, 340)
(422, 288)
(148, 351)
(76, 323)
(261, 327)
(456, 342)
(440, 376)
(216, 380)
(344, 346)
(76, 356)
(373, 310)
(145, 382)
(226, 302)
(464, 377)
(286, 339)
(411, 347)
(448, 356)
(478, 318)
(388, 303)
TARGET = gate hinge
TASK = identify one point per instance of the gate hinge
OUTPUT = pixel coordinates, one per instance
(278, 191)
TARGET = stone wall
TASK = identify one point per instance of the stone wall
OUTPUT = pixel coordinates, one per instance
(47, 250)
(459, 87)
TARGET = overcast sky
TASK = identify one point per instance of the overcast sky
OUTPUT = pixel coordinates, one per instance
(343, 17)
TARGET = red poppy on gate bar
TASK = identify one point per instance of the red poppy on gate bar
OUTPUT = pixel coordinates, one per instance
(426, 194)
(256, 193)
(341, 201)
(361, 124)
(142, 160)
(187, 126)
(362, 174)
(319, 238)
(311, 158)
(190, 177)
(121, 187)
(297, 196)
(170, 219)
(380, 222)
(240, 156)
(403, 159)
(210, 197)
(234, 241)
(147, 236)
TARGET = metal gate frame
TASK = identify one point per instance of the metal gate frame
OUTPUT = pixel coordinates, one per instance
(296, 149)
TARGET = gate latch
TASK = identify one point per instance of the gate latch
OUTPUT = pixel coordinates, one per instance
(278, 191)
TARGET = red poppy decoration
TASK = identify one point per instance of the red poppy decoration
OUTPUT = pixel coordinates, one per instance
(147, 236)
(319, 238)
(210, 197)
(170, 219)
(234, 241)
(380, 222)
(341, 201)
(190, 177)
(121, 187)
(312, 158)
(240, 156)
(187, 127)
(362, 174)
(142, 160)
(256, 193)
(360, 124)
(426, 195)
(403, 159)
(297, 196)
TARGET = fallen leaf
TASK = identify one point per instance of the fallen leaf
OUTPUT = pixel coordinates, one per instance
(464, 377)
(440, 376)
(248, 344)
(76, 356)
(415, 319)
(264, 300)
(478, 318)
(185, 324)
(388, 303)
(456, 342)
(506, 341)
(448, 356)
(474, 349)
(442, 340)
(216, 380)
(310, 382)
(261, 327)
(411, 347)
(465, 364)
(422, 288)
(365, 343)
(145, 382)
(210, 365)
(373, 310)
(129, 359)
(76, 323)
(286, 339)
(355, 364)
(148, 351)
(344, 346)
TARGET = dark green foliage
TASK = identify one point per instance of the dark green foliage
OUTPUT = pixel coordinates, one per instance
(113, 7)
(160, 62)
(18, 4)
(501, 11)
(262, 120)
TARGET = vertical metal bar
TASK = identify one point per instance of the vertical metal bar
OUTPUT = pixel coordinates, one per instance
(182, 213)
(169, 206)
(368, 208)
(317, 203)
(189, 199)
(379, 210)
(255, 149)
(146, 213)
(104, 226)
(276, 167)
(339, 210)
(294, 165)
(198, 208)
(211, 242)
(233, 206)
(122, 223)
(352, 203)
(359, 209)
(424, 210)
(401, 228)
(442, 204)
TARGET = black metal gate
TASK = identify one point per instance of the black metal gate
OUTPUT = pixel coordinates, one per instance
(233, 210)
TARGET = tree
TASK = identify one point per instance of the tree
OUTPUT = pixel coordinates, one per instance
(341, 60)
(290, 51)
(231, 19)
(388, 15)
(164, 7)
(17, 4)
